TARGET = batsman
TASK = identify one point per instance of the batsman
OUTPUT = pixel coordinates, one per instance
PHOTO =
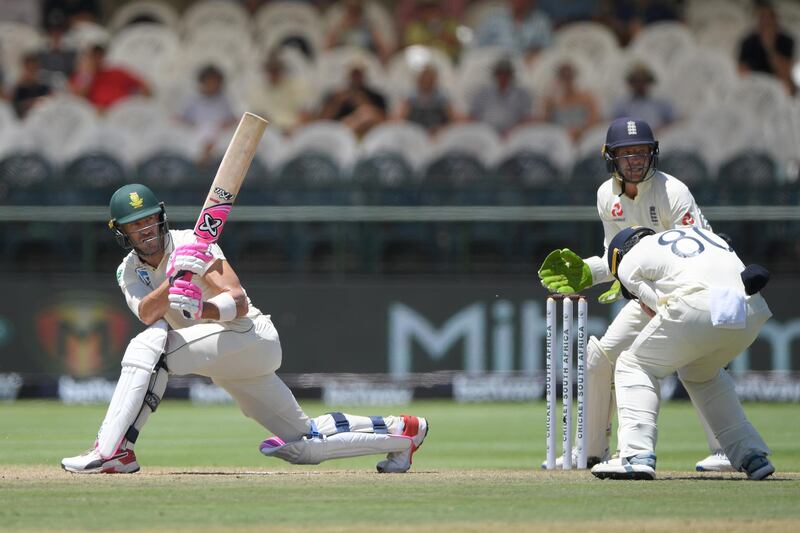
(637, 194)
(204, 323)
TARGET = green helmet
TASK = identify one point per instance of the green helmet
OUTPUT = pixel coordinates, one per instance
(131, 203)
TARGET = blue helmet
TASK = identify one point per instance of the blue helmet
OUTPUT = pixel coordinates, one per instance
(630, 132)
(622, 243)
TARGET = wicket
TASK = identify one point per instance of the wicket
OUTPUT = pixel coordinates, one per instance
(566, 381)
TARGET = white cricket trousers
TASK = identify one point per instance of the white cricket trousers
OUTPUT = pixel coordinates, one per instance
(619, 336)
(681, 337)
(241, 357)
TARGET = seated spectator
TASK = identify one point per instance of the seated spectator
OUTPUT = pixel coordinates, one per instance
(356, 105)
(628, 17)
(72, 10)
(563, 12)
(57, 59)
(768, 49)
(282, 97)
(566, 105)
(355, 29)
(427, 106)
(502, 104)
(430, 26)
(104, 86)
(30, 88)
(520, 27)
(640, 103)
(209, 110)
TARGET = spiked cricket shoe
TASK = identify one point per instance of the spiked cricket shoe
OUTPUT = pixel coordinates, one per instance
(415, 428)
(716, 462)
(90, 462)
(642, 466)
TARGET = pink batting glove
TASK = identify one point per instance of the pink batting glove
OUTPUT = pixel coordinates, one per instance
(187, 298)
(192, 258)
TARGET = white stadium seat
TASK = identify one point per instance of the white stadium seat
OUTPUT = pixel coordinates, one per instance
(153, 10)
(333, 139)
(58, 123)
(333, 69)
(539, 77)
(546, 139)
(761, 94)
(138, 115)
(474, 138)
(592, 40)
(277, 21)
(404, 138)
(171, 137)
(591, 142)
(150, 50)
(665, 42)
(215, 12)
(84, 34)
(698, 81)
(105, 138)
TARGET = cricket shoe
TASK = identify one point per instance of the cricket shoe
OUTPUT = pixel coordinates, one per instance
(90, 462)
(642, 466)
(716, 462)
(757, 467)
(590, 461)
(416, 429)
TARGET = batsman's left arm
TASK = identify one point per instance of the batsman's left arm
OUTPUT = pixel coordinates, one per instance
(222, 279)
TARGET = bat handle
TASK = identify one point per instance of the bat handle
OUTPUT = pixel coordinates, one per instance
(187, 277)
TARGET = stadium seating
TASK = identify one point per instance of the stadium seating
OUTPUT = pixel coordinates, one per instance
(138, 11)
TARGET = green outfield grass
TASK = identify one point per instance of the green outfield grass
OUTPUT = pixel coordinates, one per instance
(478, 470)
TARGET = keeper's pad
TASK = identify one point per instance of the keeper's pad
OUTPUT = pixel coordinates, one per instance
(141, 384)
(599, 400)
(315, 449)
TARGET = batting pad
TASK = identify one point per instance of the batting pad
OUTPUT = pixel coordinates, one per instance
(312, 451)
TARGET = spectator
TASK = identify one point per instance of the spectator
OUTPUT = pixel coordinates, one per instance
(566, 105)
(430, 26)
(355, 29)
(768, 49)
(30, 88)
(427, 106)
(208, 110)
(503, 104)
(104, 86)
(565, 11)
(57, 59)
(628, 17)
(640, 103)
(72, 10)
(281, 97)
(356, 105)
(521, 28)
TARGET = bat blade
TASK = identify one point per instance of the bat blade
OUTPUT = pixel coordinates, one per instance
(229, 178)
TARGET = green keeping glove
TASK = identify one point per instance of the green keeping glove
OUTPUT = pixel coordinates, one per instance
(611, 295)
(563, 271)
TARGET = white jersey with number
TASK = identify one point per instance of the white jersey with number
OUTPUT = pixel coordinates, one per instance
(137, 279)
(662, 202)
(679, 261)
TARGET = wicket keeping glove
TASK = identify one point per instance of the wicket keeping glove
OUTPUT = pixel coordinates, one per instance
(613, 294)
(186, 297)
(563, 271)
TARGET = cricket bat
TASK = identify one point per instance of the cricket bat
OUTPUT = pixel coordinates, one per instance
(228, 181)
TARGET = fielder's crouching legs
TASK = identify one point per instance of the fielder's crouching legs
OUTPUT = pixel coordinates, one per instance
(141, 385)
(339, 435)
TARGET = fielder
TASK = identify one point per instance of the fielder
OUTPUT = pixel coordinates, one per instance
(224, 338)
(704, 309)
(636, 194)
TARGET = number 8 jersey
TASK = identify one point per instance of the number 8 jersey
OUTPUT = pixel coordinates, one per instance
(679, 261)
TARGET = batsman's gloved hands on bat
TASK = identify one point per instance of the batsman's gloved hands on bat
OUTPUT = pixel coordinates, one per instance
(186, 297)
(192, 258)
(613, 294)
(563, 271)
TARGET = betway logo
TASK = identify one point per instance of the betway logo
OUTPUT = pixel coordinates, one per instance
(502, 336)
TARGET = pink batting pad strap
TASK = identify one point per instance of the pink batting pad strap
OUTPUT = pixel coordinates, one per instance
(212, 220)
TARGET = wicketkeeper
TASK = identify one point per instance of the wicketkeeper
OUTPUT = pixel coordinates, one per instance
(208, 326)
(637, 193)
